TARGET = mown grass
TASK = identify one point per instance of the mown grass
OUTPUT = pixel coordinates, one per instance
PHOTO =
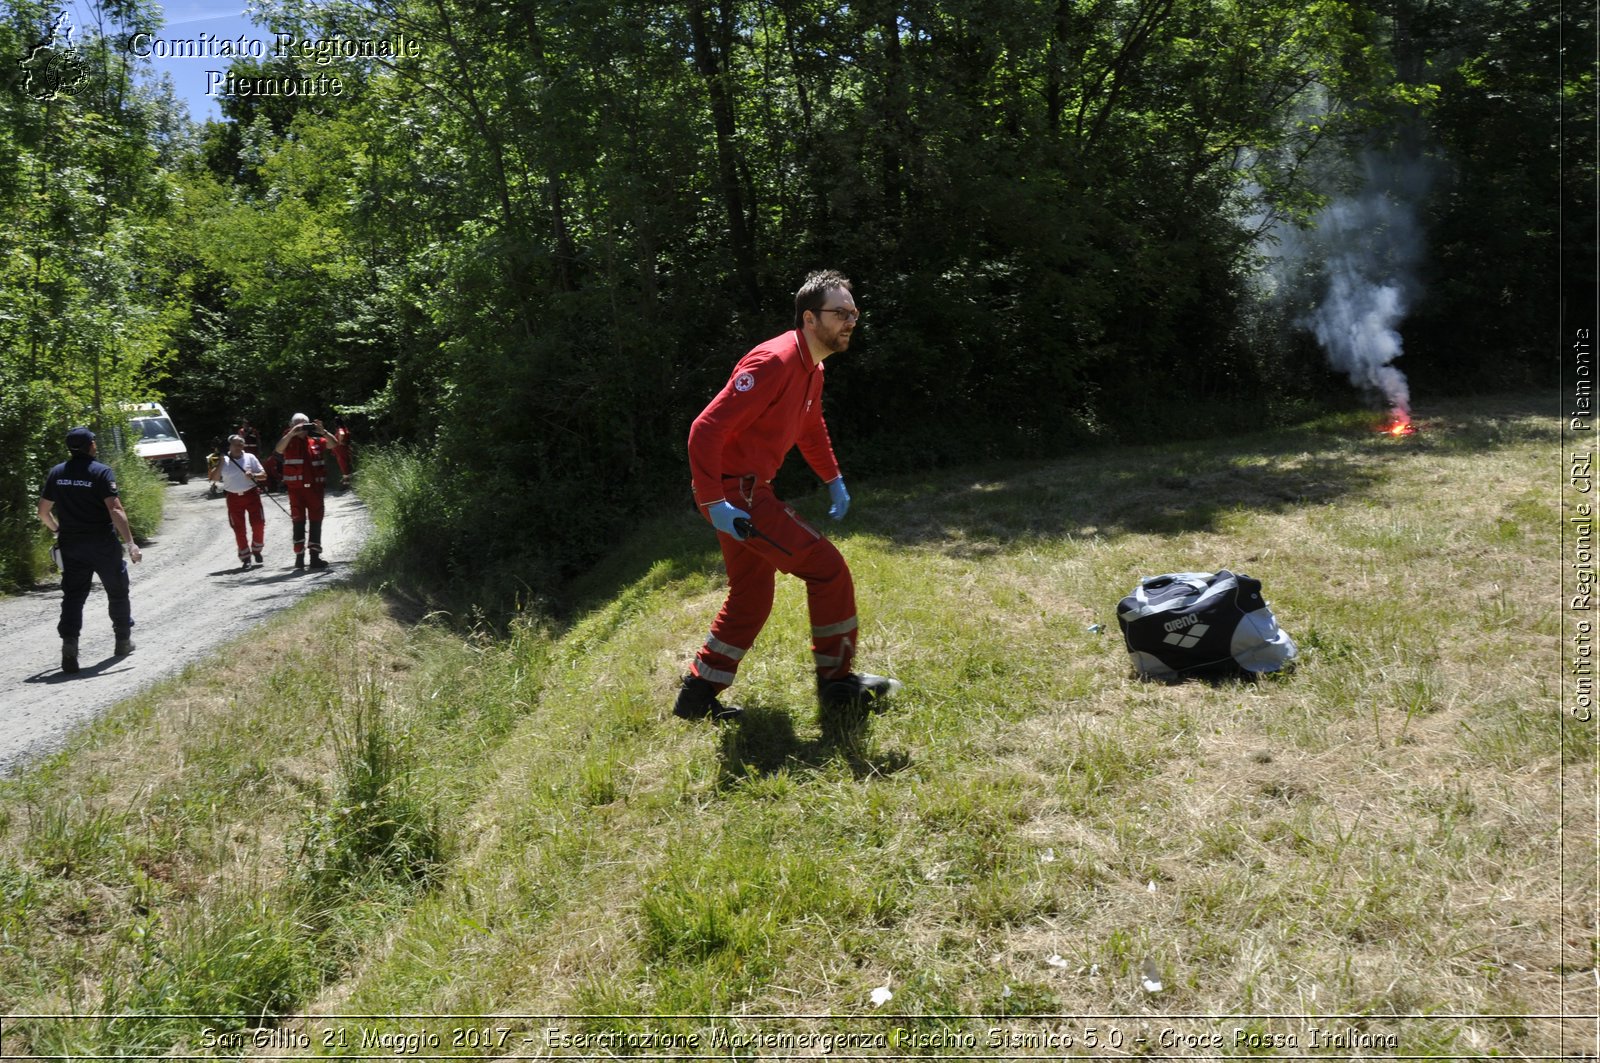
(385, 819)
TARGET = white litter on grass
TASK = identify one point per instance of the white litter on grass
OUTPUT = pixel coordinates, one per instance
(1057, 961)
(881, 996)
(1047, 857)
(1151, 888)
(1005, 992)
(1151, 979)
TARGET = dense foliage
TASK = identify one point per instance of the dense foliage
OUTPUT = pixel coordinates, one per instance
(534, 249)
(89, 296)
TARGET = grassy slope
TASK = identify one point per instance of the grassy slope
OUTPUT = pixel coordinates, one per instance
(1029, 830)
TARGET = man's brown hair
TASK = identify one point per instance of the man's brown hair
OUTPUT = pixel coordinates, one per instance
(814, 292)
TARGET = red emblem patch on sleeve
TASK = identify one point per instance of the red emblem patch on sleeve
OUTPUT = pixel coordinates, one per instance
(744, 382)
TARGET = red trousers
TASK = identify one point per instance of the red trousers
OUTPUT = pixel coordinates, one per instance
(247, 505)
(795, 548)
(305, 504)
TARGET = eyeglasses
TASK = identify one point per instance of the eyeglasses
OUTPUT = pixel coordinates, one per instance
(844, 314)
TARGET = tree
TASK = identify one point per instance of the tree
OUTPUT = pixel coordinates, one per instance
(88, 304)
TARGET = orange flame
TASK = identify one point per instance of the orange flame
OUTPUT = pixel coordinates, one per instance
(1401, 427)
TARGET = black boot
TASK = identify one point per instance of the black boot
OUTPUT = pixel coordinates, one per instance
(314, 537)
(697, 699)
(69, 656)
(860, 691)
(124, 644)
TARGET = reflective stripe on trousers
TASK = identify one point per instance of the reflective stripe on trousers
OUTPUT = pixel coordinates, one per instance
(795, 548)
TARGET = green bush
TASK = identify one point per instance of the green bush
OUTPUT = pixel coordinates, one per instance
(435, 539)
(409, 524)
(24, 459)
(143, 491)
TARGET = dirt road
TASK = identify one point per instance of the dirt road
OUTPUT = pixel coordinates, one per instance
(189, 596)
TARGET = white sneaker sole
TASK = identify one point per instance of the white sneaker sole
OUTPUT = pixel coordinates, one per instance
(893, 687)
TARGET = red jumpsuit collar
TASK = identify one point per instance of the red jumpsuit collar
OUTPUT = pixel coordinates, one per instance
(800, 342)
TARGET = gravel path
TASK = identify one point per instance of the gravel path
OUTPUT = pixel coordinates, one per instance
(189, 597)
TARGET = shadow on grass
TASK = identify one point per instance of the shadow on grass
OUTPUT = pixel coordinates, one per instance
(1161, 486)
(764, 742)
(1183, 487)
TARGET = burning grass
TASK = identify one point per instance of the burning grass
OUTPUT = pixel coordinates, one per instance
(1372, 840)
(1400, 425)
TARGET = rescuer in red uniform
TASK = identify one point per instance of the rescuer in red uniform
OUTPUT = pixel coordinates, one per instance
(241, 475)
(771, 403)
(305, 475)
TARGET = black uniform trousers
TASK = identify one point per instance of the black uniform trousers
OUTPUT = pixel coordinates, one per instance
(83, 558)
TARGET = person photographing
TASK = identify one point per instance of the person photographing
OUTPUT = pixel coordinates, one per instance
(305, 475)
(82, 508)
(241, 475)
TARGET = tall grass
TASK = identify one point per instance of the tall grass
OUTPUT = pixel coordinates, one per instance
(143, 490)
(422, 534)
(375, 827)
(269, 816)
(395, 487)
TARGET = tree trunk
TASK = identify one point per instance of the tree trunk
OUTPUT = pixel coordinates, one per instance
(497, 162)
(896, 120)
(712, 64)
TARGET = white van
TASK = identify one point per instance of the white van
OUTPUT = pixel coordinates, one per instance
(156, 440)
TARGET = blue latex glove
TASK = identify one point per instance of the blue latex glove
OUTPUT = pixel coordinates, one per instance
(841, 499)
(723, 514)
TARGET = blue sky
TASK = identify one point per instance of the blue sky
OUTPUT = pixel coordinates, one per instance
(186, 20)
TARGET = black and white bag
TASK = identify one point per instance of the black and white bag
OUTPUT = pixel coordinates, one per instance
(1202, 624)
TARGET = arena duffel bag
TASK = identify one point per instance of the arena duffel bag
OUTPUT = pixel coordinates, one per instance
(1202, 624)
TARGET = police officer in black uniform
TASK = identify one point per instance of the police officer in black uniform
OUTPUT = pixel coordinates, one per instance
(80, 505)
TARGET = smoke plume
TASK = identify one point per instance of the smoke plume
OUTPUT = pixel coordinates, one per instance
(1369, 244)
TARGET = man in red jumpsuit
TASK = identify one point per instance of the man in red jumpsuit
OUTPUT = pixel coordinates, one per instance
(305, 475)
(771, 403)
